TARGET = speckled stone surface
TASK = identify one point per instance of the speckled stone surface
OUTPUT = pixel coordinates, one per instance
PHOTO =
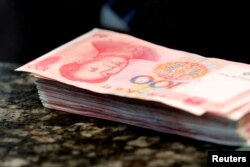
(33, 136)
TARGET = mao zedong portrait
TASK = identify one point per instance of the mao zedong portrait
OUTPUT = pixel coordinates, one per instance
(112, 57)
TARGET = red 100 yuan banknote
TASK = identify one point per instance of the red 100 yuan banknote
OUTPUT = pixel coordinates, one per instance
(114, 63)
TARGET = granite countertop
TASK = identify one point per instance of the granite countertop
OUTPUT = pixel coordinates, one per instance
(31, 135)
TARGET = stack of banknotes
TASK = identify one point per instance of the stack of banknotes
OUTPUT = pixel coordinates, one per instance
(117, 77)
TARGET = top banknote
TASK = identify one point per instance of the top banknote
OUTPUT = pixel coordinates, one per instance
(114, 63)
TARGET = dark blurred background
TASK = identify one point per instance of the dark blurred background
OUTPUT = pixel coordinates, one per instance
(30, 28)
